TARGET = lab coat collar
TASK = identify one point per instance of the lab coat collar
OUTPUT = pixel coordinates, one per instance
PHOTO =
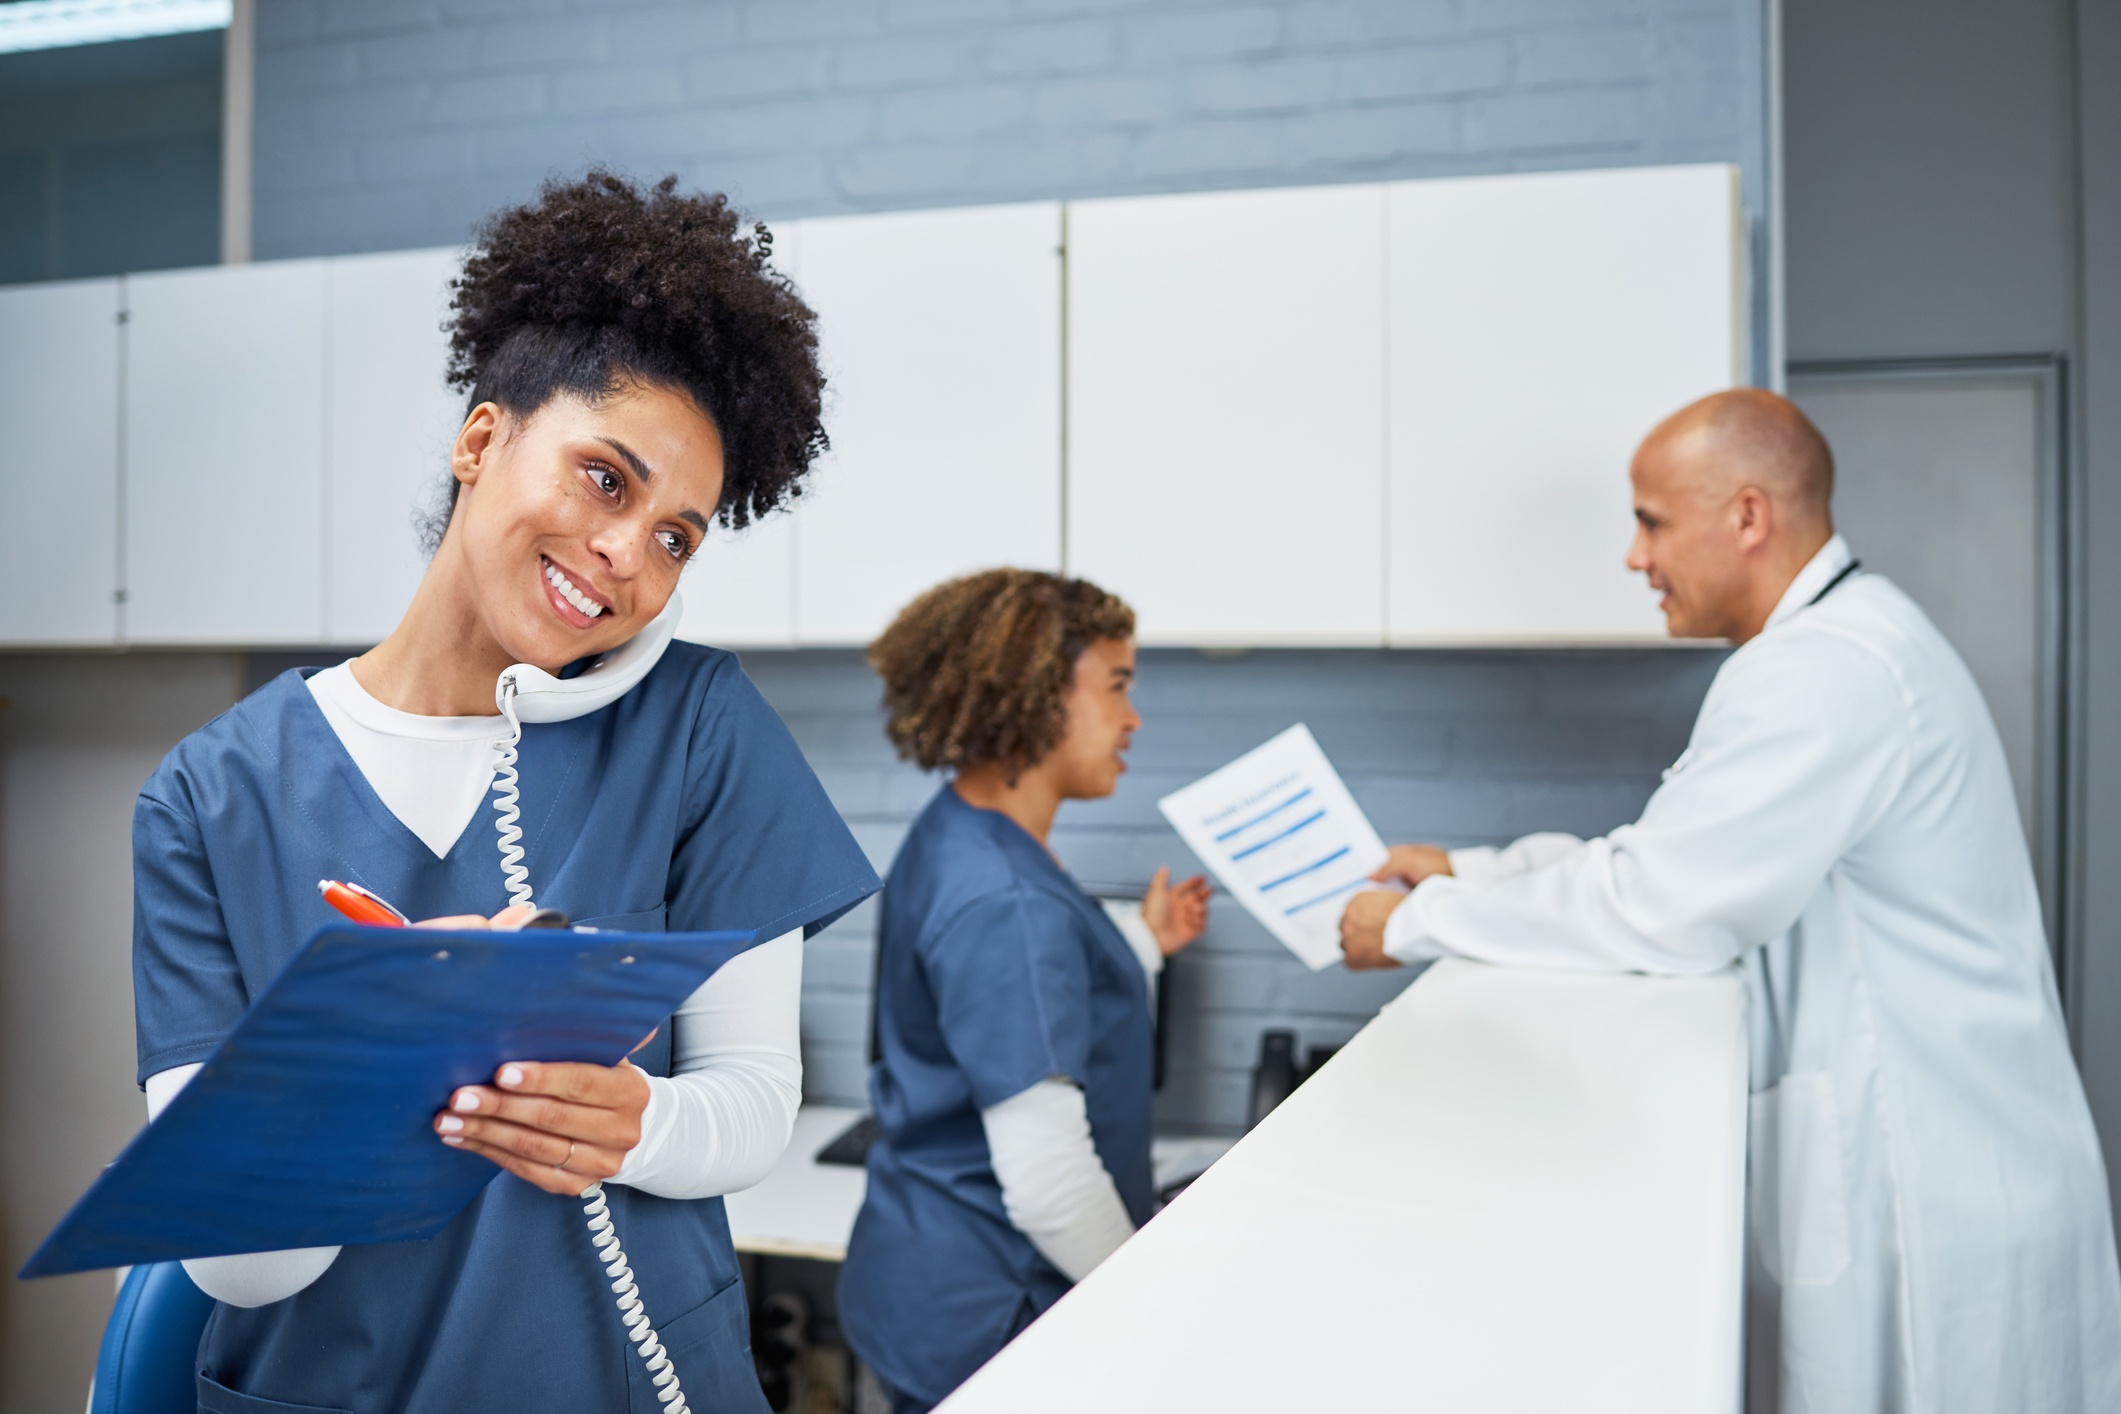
(1819, 571)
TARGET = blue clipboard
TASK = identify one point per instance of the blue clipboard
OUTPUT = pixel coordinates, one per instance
(311, 1124)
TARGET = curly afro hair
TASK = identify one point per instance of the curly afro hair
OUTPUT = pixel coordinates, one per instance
(598, 284)
(977, 670)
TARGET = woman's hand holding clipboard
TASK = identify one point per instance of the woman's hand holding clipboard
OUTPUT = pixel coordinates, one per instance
(561, 1126)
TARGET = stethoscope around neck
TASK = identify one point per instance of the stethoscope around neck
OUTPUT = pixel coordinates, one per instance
(1835, 583)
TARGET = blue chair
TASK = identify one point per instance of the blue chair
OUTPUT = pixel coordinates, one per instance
(149, 1363)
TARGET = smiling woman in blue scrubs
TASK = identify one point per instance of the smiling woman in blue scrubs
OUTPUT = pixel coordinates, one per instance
(1013, 1015)
(636, 371)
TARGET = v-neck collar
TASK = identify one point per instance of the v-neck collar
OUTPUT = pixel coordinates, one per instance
(308, 718)
(471, 741)
(326, 785)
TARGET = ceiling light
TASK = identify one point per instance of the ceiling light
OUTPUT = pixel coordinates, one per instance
(58, 24)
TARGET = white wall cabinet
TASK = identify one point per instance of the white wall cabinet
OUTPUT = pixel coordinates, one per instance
(1226, 412)
(59, 462)
(1334, 415)
(392, 419)
(224, 455)
(940, 336)
(1540, 326)
(740, 588)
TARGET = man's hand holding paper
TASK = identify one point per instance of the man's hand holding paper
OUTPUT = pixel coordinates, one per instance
(1279, 829)
(1362, 923)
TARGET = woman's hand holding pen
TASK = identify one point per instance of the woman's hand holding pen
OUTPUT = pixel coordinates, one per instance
(1175, 913)
(561, 1126)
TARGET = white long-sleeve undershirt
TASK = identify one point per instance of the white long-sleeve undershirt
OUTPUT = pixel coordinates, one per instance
(716, 1125)
(1055, 1189)
(1141, 941)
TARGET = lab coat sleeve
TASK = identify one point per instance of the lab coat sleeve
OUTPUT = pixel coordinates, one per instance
(1481, 864)
(1801, 745)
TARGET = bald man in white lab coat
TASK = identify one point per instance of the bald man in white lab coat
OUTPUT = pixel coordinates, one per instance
(1928, 1217)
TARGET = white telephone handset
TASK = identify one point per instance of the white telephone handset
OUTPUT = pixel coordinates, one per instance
(541, 697)
(530, 694)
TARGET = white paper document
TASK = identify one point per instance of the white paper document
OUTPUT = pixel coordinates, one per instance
(1281, 832)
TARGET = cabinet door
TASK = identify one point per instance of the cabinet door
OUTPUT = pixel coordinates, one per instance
(1225, 412)
(59, 461)
(1540, 326)
(740, 588)
(940, 335)
(224, 455)
(391, 422)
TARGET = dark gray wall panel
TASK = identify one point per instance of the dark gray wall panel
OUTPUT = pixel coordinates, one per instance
(2098, 991)
(1927, 199)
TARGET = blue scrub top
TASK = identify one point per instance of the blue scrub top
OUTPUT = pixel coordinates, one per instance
(684, 804)
(996, 971)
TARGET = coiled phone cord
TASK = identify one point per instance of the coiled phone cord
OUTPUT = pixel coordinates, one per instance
(507, 800)
(628, 1294)
(507, 804)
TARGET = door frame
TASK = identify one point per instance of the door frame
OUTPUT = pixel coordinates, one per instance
(2058, 860)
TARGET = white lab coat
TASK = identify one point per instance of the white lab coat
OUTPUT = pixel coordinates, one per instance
(1928, 1217)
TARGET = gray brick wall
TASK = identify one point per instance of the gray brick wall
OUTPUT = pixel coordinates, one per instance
(393, 123)
(1461, 748)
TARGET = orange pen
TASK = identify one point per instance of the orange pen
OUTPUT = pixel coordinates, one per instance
(361, 905)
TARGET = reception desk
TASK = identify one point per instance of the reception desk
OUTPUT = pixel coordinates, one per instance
(1513, 1190)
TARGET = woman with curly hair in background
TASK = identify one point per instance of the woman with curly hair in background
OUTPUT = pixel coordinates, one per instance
(636, 372)
(1013, 1016)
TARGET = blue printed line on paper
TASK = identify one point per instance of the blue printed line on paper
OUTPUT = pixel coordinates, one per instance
(1307, 869)
(1348, 888)
(1310, 819)
(1266, 814)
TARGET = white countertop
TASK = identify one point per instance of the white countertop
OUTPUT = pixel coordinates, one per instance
(806, 1209)
(1513, 1190)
